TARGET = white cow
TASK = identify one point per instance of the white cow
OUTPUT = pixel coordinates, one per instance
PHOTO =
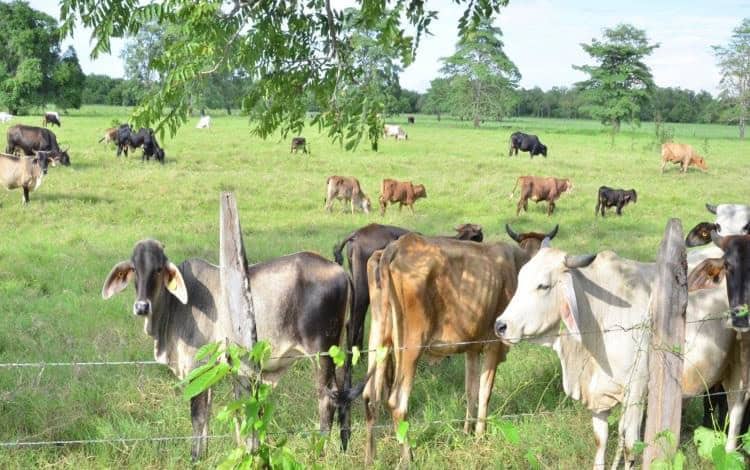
(204, 123)
(731, 219)
(603, 302)
(5, 117)
(395, 131)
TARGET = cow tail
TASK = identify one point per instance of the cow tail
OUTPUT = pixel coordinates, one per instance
(514, 188)
(339, 247)
(102, 139)
(347, 393)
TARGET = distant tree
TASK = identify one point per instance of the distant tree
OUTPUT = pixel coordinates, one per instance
(141, 52)
(621, 83)
(436, 99)
(29, 53)
(482, 77)
(734, 62)
(68, 80)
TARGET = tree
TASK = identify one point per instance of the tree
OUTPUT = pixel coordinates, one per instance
(290, 49)
(621, 83)
(482, 77)
(734, 62)
(68, 80)
(436, 99)
(29, 53)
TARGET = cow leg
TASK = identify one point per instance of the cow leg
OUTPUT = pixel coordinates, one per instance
(326, 406)
(522, 203)
(663, 164)
(411, 208)
(471, 382)
(382, 207)
(25, 198)
(599, 421)
(550, 208)
(492, 357)
(598, 207)
(619, 208)
(200, 414)
(403, 381)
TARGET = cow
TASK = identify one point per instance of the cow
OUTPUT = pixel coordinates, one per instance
(360, 245)
(403, 192)
(204, 123)
(395, 131)
(531, 241)
(110, 136)
(682, 154)
(410, 119)
(436, 297)
(30, 139)
(5, 117)
(23, 172)
(347, 189)
(618, 198)
(602, 300)
(538, 189)
(526, 143)
(297, 143)
(731, 219)
(300, 303)
(127, 138)
(51, 117)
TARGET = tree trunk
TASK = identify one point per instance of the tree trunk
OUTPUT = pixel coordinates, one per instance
(438, 117)
(476, 121)
(229, 111)
(743, 111)
(615, 125)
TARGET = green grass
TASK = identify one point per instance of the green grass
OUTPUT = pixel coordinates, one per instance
(57, 251)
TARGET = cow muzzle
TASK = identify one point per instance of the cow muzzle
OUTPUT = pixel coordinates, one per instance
(500, 328)
(740, 319)
(142, 307)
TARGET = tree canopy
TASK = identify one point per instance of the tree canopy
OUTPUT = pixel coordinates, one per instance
(291, 50)
(734, 62)
(621, 83)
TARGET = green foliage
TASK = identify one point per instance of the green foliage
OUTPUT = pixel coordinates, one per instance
(734, 62)
(292, 50)
(402, 432)
(355, 355)
(710, 446)
(68, 80)
(673, 459)
(621, 83)
(437, 98)
(338, 355)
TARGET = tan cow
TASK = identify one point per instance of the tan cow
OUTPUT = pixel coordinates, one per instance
(538, 189)
(346, 188)
(437, 297)
(110, 136)
(23, 172)
(403, 192)
(682, 154)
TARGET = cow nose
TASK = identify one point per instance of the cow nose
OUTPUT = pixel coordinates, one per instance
(141, 307)
(500, 328)
(740, 318)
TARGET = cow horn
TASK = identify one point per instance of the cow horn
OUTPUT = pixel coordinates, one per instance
(579, 261)
(512, 234)
(552, 232)
(711, 208)
(717, 239)
(546, 243)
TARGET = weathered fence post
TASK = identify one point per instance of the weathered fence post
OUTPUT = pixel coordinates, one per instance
(668, 305)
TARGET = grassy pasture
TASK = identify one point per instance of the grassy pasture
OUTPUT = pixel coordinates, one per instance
(56, 252)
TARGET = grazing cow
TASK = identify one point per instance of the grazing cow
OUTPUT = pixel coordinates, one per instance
(410, 119)
(23, 172)
(682, 154)
(360, 245)
(300, 304)
(437, 297)
(602, 300)
(204, 123)
(5, 117)
(526, 143)
(347, 189)
(618, 198)
(395, 131)
(51, 117)
(110, 136)
(145, 138)
(30, 139)
(538, 189)
(297, 143)
(403, 192)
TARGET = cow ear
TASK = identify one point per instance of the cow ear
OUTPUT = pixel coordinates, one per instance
(707, 275)
(118, 279)
(175, 282)
(569, 314)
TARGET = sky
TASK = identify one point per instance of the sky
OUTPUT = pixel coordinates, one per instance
(543, 38)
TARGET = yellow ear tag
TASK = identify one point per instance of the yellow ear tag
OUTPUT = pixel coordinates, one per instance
(172, 284)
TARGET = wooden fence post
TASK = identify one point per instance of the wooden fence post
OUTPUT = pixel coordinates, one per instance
(235, 286)
(667, 308)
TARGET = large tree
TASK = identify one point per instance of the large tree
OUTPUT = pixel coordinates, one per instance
(68, 80)
(620, 83)
(734, 61)
(482, 77)
(29, 53)
(436, 99)
(291, 50)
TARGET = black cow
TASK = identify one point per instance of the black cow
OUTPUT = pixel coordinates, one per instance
(361, 244)
(30, 140)
(618, 198)
(701, 234)
(143, 138)
(526, 143)
(297, 143)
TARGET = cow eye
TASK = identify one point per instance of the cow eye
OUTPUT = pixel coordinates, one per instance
(543, 287)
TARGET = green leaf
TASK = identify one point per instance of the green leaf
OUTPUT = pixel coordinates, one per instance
(337, 355)
(639, 447)
(532, 459)
(402, 432)
(706, 440)
(206, 380)
(510, 432)
(207, 350)
(355, 355)
(261, 352)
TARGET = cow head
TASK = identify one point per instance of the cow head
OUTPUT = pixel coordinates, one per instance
(154, 275)
(471, 232)
(701, 234)
(631, 196)
(531, 242)
(419, 191)
(63, 157)
(699, 162)
(545, 296)
(159, 154)
(543, 150)
(735, 267)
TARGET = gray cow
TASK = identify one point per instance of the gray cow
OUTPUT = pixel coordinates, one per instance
(300, 303)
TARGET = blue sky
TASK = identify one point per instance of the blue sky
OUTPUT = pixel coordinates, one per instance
(543, 38)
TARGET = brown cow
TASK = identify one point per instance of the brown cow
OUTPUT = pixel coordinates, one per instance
(682, 154)
(538, 189)
(346, 188)
(403, 192)
(110, 136)
(437, 297)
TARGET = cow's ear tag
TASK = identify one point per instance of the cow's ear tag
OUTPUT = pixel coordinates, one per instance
(175, 283)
